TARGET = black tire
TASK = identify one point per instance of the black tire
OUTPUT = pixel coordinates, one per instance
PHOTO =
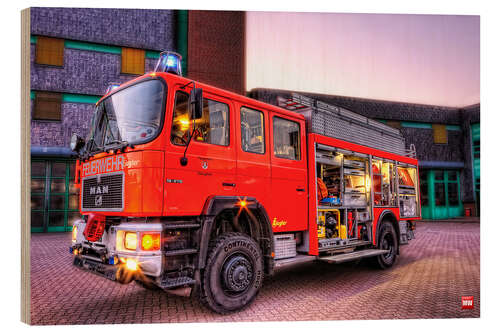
(387, 241)
(233, 273)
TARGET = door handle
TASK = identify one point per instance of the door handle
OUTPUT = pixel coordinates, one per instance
(300, 189)
(229, 184)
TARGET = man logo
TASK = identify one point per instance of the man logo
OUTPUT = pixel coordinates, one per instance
(204, 165)
(98, 200)
(99, 189)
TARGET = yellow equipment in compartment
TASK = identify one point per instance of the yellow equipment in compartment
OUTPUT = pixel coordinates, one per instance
(322, 222)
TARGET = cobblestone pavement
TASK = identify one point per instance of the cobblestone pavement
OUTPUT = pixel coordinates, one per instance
(428, 280)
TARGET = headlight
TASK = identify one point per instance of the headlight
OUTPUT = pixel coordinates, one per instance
(74, 233)
(150, 241)
(131, 241)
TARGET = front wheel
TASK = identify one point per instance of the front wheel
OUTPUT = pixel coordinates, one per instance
(387, 241)
(233, 273)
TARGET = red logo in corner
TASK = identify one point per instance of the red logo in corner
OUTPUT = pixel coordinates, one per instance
(467, 302)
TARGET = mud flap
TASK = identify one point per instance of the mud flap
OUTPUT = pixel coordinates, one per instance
(405, 233)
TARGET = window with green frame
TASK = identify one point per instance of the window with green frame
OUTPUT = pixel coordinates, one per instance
(54, 197)
(446, 188)
(476, 155)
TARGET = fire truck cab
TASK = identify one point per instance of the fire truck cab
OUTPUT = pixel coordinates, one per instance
(186, 187)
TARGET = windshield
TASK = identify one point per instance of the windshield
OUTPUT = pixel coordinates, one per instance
(132, 116)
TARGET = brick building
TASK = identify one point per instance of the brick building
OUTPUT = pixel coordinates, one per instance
(76, 53)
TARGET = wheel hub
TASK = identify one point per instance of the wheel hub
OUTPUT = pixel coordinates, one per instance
(237, 273)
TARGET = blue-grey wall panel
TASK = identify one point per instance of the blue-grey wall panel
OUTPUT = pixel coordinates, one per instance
(75, 117)
(139, 28)
(84, 72)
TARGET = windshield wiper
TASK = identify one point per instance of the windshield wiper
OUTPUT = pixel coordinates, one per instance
(122, 144)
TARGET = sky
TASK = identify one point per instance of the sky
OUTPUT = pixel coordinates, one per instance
(428, 59)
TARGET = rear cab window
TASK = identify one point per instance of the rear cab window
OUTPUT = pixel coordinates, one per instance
(286, 138)
(252, 131)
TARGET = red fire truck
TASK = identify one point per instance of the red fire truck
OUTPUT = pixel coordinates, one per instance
(186, 187)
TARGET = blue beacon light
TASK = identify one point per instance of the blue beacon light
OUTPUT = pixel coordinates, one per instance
(169, 62)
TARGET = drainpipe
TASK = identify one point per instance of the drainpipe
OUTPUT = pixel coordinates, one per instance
(182, 37)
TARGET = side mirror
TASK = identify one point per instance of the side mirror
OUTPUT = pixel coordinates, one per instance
(76, 142)
(196, 103)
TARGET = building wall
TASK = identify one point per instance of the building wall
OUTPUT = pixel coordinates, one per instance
(216, 41)
(427, 150)
(75, 119)
(139, 28)
(84, 72)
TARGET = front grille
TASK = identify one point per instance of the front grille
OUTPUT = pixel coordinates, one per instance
(103, 192)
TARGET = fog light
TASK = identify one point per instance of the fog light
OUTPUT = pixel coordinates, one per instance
(131, 264)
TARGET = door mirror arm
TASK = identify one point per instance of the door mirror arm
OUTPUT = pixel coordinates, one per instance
(195, 112)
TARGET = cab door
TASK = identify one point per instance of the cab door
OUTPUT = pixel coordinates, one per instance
(253, 175)
(288, 174)
(211, 167)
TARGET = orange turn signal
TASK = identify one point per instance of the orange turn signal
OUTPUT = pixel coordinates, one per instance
(150, 241)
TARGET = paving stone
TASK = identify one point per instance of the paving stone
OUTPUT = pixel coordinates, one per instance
(428, 280)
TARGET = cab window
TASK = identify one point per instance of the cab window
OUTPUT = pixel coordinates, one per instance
(213, 127)
(286, 138)
(252, 131)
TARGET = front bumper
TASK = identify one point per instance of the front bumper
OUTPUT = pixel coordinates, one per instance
(106, 253)
(94, 266)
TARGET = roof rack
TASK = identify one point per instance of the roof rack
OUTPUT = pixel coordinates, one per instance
(337, 122)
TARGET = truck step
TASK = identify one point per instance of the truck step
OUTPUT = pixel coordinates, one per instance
(298, 259)
(340, 258)
(180, 252)
(176, 282)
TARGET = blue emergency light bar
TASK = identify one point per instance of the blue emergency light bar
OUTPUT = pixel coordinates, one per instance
(169, 62)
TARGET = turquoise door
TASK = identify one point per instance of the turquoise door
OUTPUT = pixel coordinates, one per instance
(54, 198)
(440, 194)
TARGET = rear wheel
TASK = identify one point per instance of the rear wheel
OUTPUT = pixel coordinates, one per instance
(233, 273)
(387, 241)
